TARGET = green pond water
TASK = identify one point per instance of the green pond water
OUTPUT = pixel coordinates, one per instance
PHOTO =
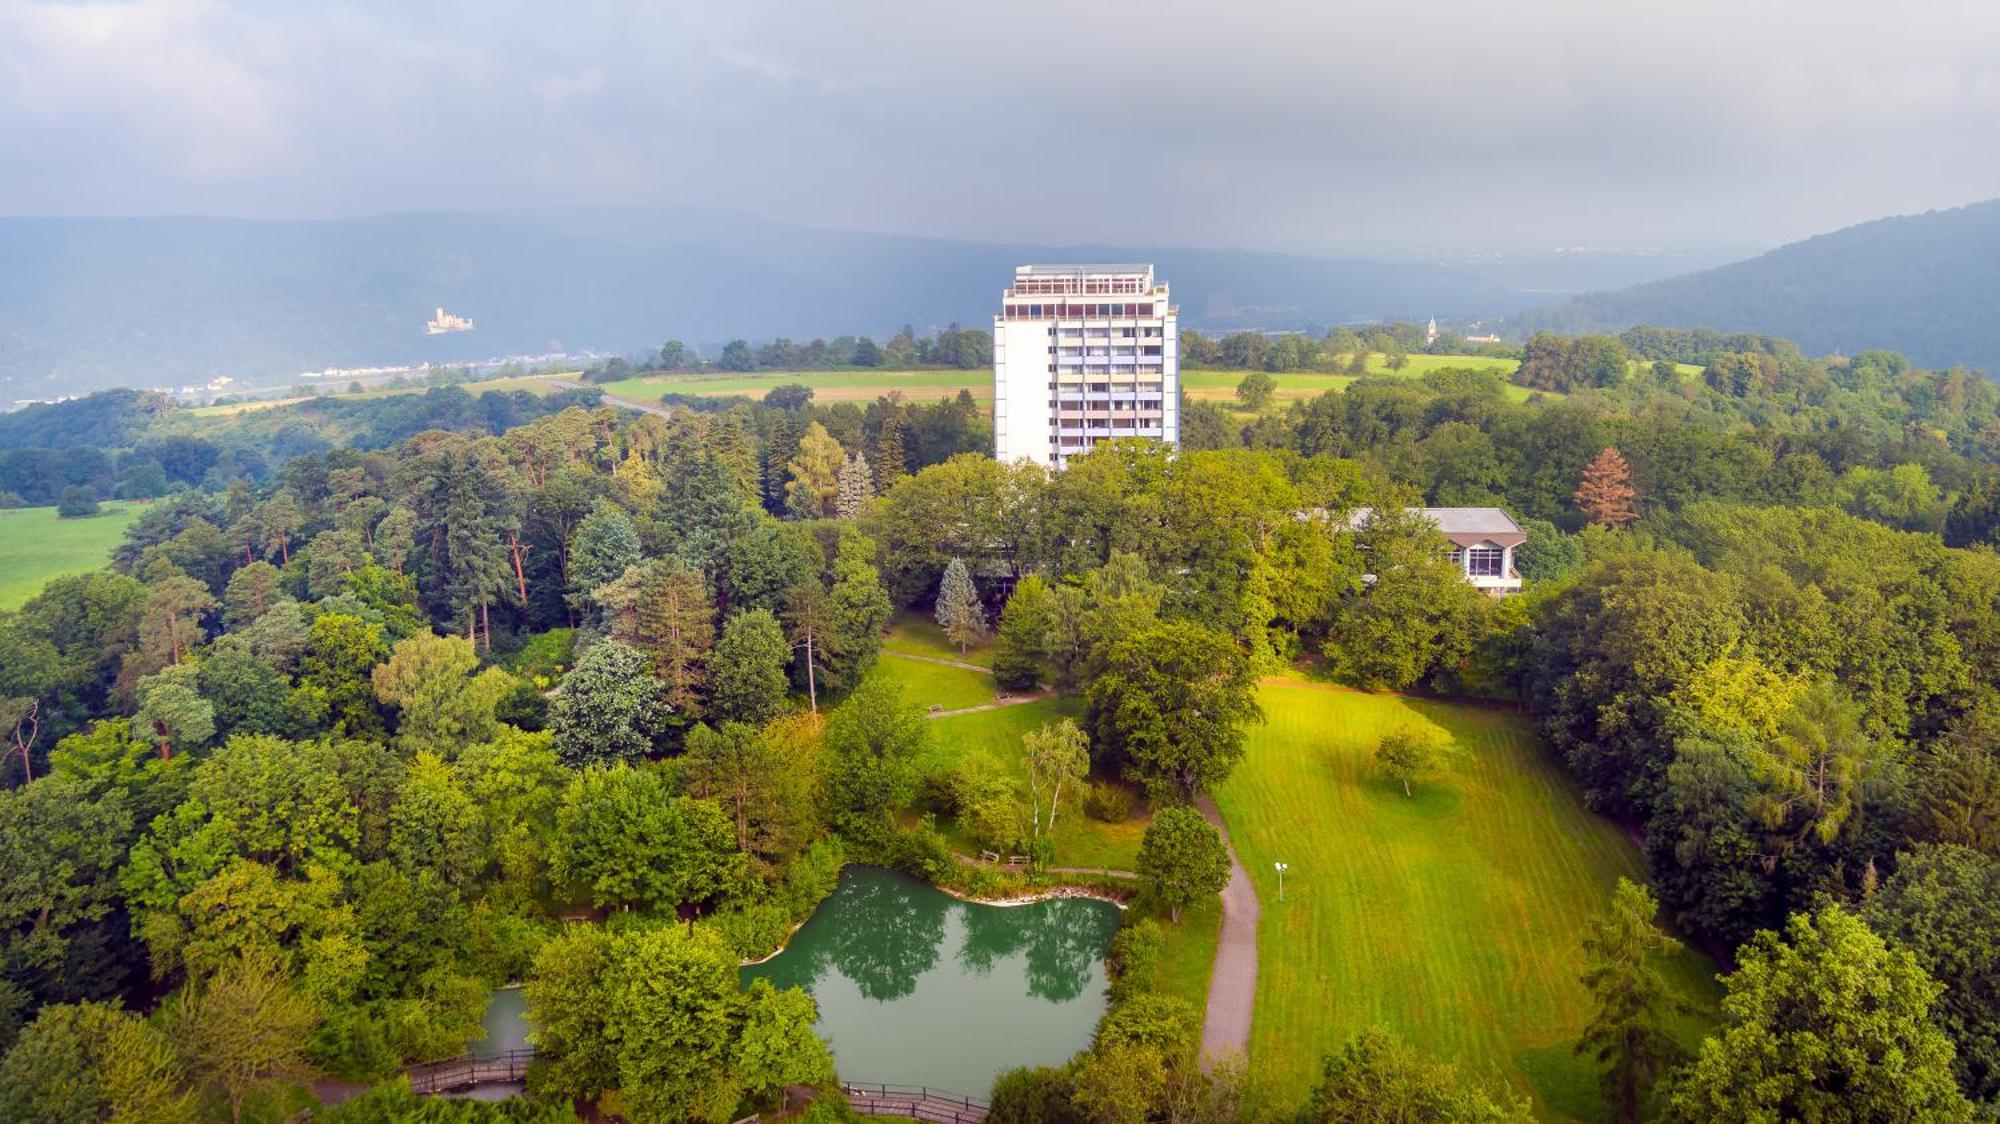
(916, 987)
(505, 1022)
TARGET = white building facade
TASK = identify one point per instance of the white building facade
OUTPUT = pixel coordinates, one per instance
(1083, 354)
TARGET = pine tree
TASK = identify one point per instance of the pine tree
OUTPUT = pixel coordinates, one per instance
(890, 459)
(1628, 1033)
(857, 486)
(1605, 494)
(958, 607)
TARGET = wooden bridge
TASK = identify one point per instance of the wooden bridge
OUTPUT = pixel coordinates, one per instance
(914, 1102)
(460, 1074)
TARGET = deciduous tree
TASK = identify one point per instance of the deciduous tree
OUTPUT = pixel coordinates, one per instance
(1171, 703)
(1824, 1023)
(1182, 859)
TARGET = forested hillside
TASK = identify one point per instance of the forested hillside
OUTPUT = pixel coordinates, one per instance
(1919, 284)
(347, 736)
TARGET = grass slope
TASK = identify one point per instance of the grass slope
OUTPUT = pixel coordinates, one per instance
(538, 385)
(35, 546)
(1452, 917)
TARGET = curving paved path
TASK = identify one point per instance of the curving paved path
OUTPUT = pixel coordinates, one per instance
(1232, 985)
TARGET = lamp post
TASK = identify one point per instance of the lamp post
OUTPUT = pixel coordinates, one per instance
(1282, 868)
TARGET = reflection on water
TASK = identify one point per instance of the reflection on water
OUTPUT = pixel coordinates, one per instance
(1024, 985)
(506, 1023)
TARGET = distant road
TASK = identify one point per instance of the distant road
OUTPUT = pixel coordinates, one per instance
(628, 403)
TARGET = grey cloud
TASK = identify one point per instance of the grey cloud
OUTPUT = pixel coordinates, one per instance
(1315, 127)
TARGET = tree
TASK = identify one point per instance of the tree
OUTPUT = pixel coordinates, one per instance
(812, 484)
(1256, 390)
(958, 608)
(251, 592)
(92, 1061)
(750, 775)
(622, 836)
(1182, 859)
(1376, 1078)
(1418, 617)
(666, 609)
(172, 710)
(747, 671)
(1813, 769)
(1605, 494)
(858, 609)
(1412, 753)
(245, 1029)
(610, 707)
(603, 546)
(1055, 754)
(1019, 655)
(62, 841)
(170, 623)
(443, 706)
(1171, 702)
(777, 1047)
(873, 741)
(1825, 1023)
(1628, 1032)
(1943, 907)
(857, 487)
(76, 502)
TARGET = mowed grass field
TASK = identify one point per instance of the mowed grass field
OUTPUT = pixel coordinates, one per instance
(929, 385)
(36, 545)
(1453, 917)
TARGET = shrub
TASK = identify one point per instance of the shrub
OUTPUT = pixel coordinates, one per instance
(1135, 956)
(753, 931)
(76, 502)
(1108, 803)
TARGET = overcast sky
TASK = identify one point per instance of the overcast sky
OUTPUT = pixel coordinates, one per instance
(1310, 125)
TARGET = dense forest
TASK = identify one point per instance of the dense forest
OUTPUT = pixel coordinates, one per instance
(366, 719)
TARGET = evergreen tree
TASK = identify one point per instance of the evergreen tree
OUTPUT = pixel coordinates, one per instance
(857, 486)
(891, 459)
(1019, 656)
(603, 546)
(1605, 494)
(1627, 1034)
(958, 608)
(747, 673)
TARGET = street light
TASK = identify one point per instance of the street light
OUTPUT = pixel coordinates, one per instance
(1282, 868)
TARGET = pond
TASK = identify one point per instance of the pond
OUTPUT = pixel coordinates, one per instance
(506, 1024)
(918, 988)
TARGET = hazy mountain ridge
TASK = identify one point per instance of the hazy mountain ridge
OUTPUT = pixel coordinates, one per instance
(1927, 285)
(87, 303)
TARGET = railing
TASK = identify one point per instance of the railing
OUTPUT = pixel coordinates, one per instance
(465, 1073)
(914, 1102)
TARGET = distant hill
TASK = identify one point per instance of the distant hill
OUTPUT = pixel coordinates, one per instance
(87, 303)
(1926, 285)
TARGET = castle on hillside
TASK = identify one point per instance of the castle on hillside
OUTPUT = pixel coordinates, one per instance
(445, 322)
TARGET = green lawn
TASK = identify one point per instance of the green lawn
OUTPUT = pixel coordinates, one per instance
(1189, 957)
(1452, 917)
(35, 546)
(915, 634)
(934, 684)
(828, 386)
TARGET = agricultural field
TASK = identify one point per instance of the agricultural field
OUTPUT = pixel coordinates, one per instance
(827, 386)
(1452, 917)
(929, 385)
(534, 384)
(36, 545)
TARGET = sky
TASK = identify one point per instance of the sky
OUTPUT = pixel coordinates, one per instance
(1316, 126)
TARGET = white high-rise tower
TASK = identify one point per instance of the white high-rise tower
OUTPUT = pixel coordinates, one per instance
(1083, 354)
